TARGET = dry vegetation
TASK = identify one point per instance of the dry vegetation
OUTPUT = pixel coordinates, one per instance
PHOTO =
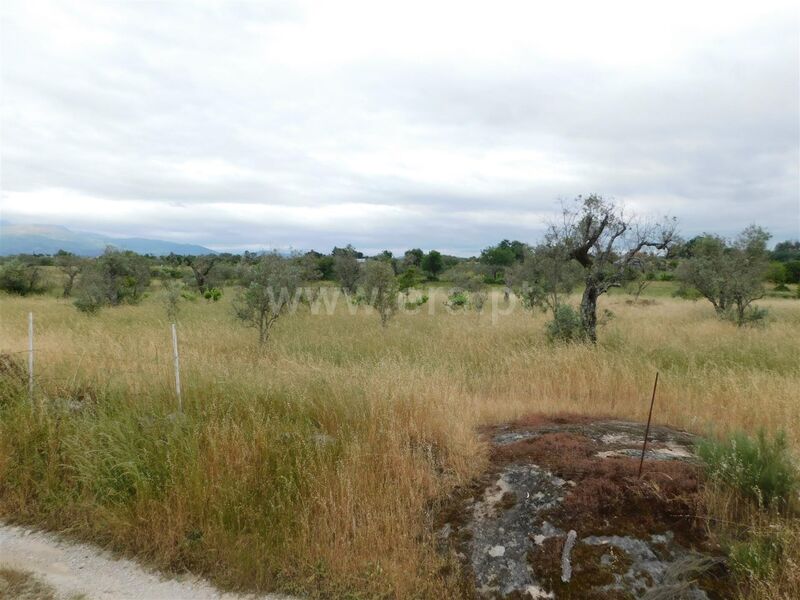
(21, 585)
(313, 466)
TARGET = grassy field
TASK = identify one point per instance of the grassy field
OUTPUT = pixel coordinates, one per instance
(314, 466)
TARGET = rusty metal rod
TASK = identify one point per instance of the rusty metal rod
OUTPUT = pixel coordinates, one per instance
(647, 431)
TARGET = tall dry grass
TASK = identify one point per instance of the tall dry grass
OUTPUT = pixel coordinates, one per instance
(314, 466)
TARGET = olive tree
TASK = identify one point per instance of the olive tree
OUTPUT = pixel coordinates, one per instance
(272, 288)
(203, 268)
(599, 236)
(729, 274)
(380, 287)
(71, 266)
(18, 277)
(433, 264)
(114, 278)
(347, 271)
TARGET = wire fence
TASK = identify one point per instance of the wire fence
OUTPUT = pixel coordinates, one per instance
(37, 379)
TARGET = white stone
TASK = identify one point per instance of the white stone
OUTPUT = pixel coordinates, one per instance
(566, 566)
(538, 593)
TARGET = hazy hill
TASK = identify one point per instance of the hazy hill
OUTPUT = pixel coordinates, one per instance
(49, 239)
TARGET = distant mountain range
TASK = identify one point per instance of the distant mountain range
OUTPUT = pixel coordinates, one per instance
(49, 239)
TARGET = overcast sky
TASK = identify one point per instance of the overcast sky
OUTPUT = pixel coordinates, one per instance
(447, 125)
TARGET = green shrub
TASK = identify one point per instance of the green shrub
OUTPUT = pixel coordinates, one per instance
(112, 279)
(757, 557)
(458, 299)
(91, 293)
(566, 325)
(89, 304)
(759, 468)
(20, 278)
(214, 294)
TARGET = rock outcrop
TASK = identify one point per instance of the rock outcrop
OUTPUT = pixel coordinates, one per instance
(561, 513)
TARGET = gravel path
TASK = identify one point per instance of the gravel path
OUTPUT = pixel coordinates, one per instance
(75, 569)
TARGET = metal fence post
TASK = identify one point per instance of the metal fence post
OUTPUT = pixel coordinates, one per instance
(647, 431)
(30, 355)
(177, 367)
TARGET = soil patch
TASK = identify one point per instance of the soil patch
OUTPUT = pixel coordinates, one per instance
(561, 513)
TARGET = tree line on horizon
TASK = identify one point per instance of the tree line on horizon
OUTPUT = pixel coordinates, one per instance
(595, 245)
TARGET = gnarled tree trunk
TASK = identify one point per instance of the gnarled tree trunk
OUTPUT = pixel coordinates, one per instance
(589, 310)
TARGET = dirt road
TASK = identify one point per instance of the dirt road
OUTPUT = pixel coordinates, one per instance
(85, 571)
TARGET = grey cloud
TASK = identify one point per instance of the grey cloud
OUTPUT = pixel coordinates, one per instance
(712, 137)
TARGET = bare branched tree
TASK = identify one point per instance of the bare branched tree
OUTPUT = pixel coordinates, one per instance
(605, 242)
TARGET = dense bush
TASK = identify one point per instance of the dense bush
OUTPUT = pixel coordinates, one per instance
(566, 325)
(17, 277)
(792, 271)
(114, 278)
(759, 468)
(91, 296)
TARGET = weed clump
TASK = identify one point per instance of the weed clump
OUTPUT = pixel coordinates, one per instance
(759, 468)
